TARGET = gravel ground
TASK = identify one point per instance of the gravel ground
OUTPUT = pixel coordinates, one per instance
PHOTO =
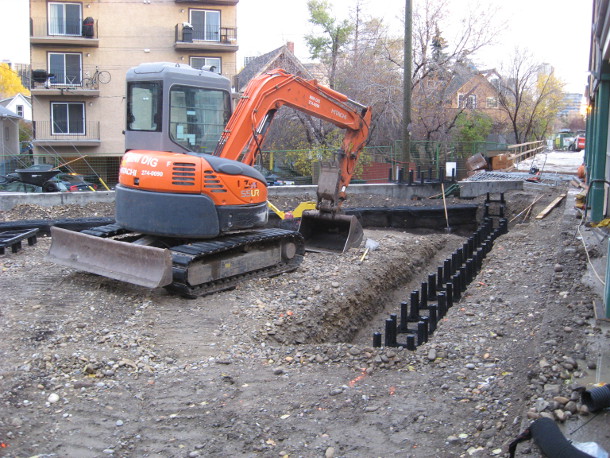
(285, 366)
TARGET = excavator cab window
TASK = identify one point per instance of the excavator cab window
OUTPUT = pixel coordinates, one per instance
(197, 117)
(144, 106)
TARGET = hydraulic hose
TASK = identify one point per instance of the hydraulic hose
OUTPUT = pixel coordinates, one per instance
(597, 399)
(550, 440)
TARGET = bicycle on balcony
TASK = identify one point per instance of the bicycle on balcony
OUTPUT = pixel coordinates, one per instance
(98, 77)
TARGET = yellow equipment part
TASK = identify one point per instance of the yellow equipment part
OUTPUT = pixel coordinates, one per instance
(296, 213)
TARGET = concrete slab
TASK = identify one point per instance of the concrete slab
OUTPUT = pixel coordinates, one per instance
(471, 189)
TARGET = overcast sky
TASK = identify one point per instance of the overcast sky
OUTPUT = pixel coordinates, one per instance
(555, 31)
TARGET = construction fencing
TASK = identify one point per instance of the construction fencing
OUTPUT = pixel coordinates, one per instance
(377, 164)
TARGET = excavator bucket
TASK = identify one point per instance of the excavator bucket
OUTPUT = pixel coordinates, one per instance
(138, 264)
(330, 232)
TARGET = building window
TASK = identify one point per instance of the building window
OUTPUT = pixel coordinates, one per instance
(19, 110)
(212, 63)
(469, 102)
(65, 19)
(492, 102)
(68, 118)
(65, 68)
(206, 25)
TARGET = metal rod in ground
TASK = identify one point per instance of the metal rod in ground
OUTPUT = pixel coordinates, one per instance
(479, 258)
(390, 333)
(466, 250)
(449, 294)
(376, 340)
(470, 272)
(433, 309)
(426, 321)
(448, 228)
(423, 305)
(463, 278)
(457, 293)
(447, 271)
(432, 287)
(442, 304)
(404, 316)
(421, 333)
(411, 342)
(414, 311)
(439, 278)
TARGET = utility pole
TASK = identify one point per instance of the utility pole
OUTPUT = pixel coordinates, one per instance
(407, 69)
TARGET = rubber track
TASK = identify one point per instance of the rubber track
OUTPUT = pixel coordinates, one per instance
(185, 255)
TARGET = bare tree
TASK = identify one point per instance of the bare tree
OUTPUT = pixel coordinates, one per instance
(530, 95)
(440, 51)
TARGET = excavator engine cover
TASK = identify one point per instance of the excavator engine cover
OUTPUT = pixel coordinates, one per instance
(330, 232)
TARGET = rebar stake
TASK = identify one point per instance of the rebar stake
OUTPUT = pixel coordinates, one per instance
(442, 305)
(421, 333)
(411, 342)
(404, 317)
(414, 311)
(433, 309)
(376, 340)
(390, 333)
(423, 305)
(449, 294)
(432, 287)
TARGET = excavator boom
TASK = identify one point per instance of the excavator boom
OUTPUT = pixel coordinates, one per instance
(325, 229)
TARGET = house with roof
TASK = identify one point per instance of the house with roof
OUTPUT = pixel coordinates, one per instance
(20, 105)
(471, 89)
(9, 140)
(282, 57)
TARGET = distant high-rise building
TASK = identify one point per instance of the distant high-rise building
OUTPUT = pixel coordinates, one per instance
(572, 103)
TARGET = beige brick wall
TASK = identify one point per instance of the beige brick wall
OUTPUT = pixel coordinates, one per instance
(129, 33)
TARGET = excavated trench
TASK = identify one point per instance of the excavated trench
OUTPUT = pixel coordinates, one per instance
(399, 302)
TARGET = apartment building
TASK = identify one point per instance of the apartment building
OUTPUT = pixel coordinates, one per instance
(81, 51)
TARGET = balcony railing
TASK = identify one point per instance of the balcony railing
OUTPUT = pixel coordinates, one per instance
(207, 35)
(84, 83)
(47, 132)
(68, 32)
(211, 2)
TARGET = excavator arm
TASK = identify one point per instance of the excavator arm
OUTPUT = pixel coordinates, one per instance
(245, 132)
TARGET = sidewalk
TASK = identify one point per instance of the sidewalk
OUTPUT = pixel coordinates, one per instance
(595, 427)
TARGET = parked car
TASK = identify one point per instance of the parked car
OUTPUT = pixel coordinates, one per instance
(73, 182)
(18, 186)
(579, 143)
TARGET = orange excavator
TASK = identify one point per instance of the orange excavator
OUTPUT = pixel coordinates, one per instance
(190, 209)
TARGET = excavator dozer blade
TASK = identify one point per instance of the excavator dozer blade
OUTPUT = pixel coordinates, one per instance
(330, 232)
(137, 264)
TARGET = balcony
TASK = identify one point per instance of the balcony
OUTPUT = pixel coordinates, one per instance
(46, 135)
(222, 39)
(210, 2)
(43, 33)
(66, 85)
